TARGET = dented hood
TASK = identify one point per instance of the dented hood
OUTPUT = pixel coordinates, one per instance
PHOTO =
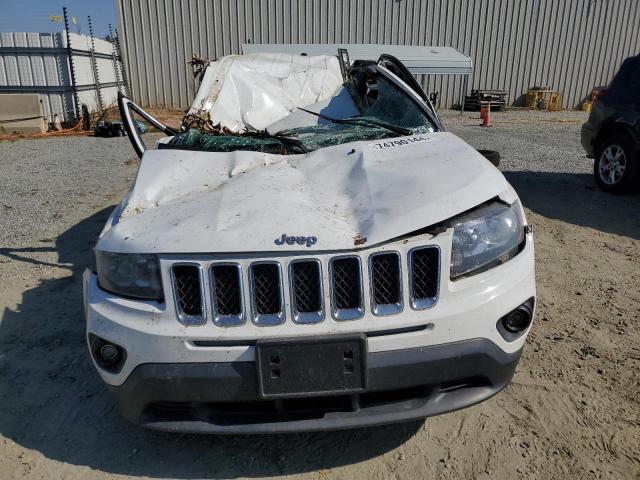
(361, 193)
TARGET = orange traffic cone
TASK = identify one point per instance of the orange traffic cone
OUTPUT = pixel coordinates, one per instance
(486, 119)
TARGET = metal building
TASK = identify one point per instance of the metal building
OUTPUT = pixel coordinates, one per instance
(569, 45)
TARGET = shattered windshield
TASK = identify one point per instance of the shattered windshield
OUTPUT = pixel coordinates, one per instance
(386, 111)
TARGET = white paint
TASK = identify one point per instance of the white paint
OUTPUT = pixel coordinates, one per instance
(211, 206)
(259, 89)
(341, 105)
(466, 309)
(191, 202)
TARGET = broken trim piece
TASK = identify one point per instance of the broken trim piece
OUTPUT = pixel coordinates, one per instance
(125, 106)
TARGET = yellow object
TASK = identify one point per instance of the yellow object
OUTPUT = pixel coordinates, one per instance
(543, 99)
(586, 106)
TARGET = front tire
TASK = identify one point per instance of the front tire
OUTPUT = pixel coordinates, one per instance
(492, 156)
(616, 167)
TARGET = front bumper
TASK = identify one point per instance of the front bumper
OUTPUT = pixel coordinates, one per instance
(420, 362)
(586, 138)
(402, 385)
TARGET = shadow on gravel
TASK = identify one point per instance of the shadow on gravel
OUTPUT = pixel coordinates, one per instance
(53, 402)
(16, 255)
(575, 198)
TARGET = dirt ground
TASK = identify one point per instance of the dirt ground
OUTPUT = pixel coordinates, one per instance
(572, 410)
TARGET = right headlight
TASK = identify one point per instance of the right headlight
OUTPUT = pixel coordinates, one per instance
(129, 274)
(485, 237)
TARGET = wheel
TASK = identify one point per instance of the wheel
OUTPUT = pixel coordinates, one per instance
(616, 167)
(492, 156)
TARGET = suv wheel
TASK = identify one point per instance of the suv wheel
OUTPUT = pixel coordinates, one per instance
(492, 156)
(616, 167)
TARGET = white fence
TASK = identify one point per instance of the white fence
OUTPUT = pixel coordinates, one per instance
(40, 63)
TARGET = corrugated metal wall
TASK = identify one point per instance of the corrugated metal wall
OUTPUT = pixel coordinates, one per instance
(570, 45)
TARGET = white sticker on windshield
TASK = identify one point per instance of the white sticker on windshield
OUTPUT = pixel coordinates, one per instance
(397, 143)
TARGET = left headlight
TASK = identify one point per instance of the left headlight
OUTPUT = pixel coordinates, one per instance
(130, 274)
(485, 237)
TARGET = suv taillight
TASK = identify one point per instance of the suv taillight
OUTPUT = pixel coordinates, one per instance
(598, 93)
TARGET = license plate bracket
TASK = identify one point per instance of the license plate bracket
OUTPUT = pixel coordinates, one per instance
(311, 367)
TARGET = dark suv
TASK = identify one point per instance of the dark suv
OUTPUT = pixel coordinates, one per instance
(612, 134)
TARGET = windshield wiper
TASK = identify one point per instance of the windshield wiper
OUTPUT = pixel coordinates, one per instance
(360, 121)
(286, 141)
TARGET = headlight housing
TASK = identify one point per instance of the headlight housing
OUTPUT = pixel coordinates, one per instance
(485, 237)
(130, 274)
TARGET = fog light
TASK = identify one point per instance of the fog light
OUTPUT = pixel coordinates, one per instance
(107, 355)
(516, 322)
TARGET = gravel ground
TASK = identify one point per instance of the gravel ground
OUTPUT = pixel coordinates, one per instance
(528, 140)
(46, 180)
(571, 411)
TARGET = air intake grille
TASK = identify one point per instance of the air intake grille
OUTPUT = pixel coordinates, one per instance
(385, 281)
(267, 298)
(306, 286)
(188, 290)
(346, 283)
(424, 268)
(218, 290)
(227, 290)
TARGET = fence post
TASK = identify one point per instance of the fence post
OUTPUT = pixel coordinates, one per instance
(72, 72)
(94, 65)
(114, 59)
(123, 68)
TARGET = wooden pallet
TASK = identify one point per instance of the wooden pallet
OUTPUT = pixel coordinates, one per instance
(497, 98)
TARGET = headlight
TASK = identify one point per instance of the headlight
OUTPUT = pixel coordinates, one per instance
(485, 237)
(129, 274)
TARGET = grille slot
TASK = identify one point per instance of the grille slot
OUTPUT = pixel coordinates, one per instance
(346, 288)
(386, 283)
(188, 293)
(266, 293)
(424, 275)
(305, 277)
(226, 285)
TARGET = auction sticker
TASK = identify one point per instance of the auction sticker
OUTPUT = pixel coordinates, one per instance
(398, 143)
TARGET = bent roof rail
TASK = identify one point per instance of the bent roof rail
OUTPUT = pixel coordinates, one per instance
(125, 106)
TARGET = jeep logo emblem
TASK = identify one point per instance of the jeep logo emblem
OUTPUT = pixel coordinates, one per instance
(291, 240)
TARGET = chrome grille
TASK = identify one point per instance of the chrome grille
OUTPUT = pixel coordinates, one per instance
(386, 283)
(187, 287)
(424, 273)
(226, 285)
(346, 288)
(305, 277)
(266, 293)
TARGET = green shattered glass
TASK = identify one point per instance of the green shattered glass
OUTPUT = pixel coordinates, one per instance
(392, 106)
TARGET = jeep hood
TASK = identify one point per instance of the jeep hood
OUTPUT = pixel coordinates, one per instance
(348, 196)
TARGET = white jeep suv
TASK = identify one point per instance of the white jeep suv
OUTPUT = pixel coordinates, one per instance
(310, 251)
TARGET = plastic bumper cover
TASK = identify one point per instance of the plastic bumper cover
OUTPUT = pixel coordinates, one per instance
(402, 385)
(586, 138)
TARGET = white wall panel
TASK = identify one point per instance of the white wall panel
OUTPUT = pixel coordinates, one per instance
(42, 66)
